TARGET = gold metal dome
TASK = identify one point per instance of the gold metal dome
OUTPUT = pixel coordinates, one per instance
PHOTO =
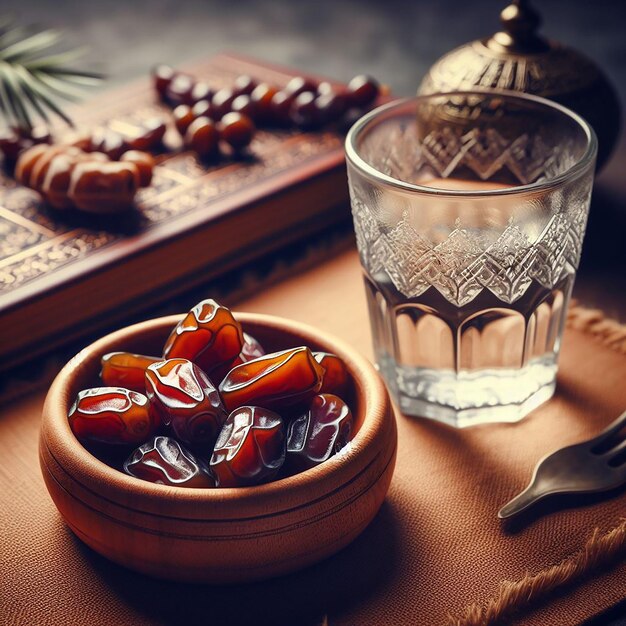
(520, 59)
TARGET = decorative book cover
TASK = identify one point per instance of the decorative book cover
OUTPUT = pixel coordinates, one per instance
(63, 276)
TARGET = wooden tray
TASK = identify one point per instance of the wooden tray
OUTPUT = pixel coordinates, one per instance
(61, 276)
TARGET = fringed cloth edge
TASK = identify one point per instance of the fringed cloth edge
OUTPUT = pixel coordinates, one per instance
(601, 550)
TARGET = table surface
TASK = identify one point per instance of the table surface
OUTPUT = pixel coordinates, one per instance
(410, 567)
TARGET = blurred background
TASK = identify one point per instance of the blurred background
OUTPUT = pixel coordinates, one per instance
(396, 41)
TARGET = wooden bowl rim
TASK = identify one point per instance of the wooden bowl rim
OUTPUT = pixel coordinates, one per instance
(265, 500)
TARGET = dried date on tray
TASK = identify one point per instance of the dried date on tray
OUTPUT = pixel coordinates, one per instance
(208, 335)
(274, 381)
(185, 401)
(112, 415)
(319, 433)
(250, 449)
(164, 461)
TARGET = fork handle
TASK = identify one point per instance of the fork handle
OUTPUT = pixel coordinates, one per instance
(521, 502)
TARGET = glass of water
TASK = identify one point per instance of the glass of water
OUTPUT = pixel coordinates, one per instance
(469, 211)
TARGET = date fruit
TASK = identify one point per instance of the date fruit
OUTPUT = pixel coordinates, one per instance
(202, 108)
(124, 369)
(109, 187)
(221, 102)
(252, 349)
(300, 84)
(202, 137)
(109, 142)
(304, 112)
(147, 137)
(164, 461)
(262, 96)
(179, 90)
(250, 448)
(144, 163)
(243, 104)
(281, 107)
(112, 415)
(201, 91)
(319, 433)
(208, 335)
(236, 129)
(69, 177)
(331, 107)
(162, 75)
(185, 401)
(325, 87)
(274, 381)
(335, 378)
(14, 140)
(183, 116)
(363, 90)
(244, 85)
(57, 180)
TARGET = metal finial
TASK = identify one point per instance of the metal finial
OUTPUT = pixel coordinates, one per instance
(520, 23)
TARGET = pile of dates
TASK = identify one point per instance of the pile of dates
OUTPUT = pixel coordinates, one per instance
(70, 178)
(14, 140)
(215, 410)
(205, 116)
(146, 136)
(98, 172)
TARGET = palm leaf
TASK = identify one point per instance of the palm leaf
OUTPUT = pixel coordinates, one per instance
(32, 97)
(30, 46)
(35, 76)
(59, 60)
(10, 99)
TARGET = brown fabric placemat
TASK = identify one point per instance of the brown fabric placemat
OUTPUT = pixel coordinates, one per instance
(435, 548)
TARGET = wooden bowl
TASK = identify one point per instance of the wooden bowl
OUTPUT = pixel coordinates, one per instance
(220, 535)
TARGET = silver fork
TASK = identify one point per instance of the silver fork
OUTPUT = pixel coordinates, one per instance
(582, 468)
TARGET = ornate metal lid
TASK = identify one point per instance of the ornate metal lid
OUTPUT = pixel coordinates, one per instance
(520, 59)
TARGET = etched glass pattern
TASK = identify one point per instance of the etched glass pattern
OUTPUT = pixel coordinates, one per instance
(468, 294)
